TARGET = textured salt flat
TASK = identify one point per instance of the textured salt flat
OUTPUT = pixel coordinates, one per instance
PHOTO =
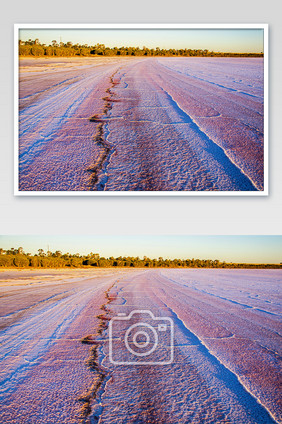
(227, 346)
(169, 124)
(43, 370)
(56, 145)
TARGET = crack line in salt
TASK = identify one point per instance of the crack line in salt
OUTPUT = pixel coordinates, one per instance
(97, 182)
(92, 399)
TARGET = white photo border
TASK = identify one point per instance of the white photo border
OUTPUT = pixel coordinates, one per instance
(17, 192)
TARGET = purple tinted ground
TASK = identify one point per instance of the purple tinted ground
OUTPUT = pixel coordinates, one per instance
(164, 124)
(227, 346)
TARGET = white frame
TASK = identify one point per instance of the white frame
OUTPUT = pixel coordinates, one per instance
(18, 192)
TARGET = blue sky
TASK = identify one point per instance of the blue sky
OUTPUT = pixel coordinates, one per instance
(252, 249)
(225, 40)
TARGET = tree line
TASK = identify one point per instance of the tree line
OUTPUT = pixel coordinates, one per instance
(17, 258)
(36, 49)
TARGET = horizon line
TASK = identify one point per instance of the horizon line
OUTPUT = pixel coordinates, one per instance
(137, 47)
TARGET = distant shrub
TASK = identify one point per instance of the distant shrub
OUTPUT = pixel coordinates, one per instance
(24, 50)
(37, 51)
(49, 51)
(21, 261)
(6, 260)
(84, 51)
(34, 261)
(90, 262)
(46, 262)
(102, 263)
(76, 262)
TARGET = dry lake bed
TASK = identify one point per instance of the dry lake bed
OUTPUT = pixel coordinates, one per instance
(58, 366)
(141, 124)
